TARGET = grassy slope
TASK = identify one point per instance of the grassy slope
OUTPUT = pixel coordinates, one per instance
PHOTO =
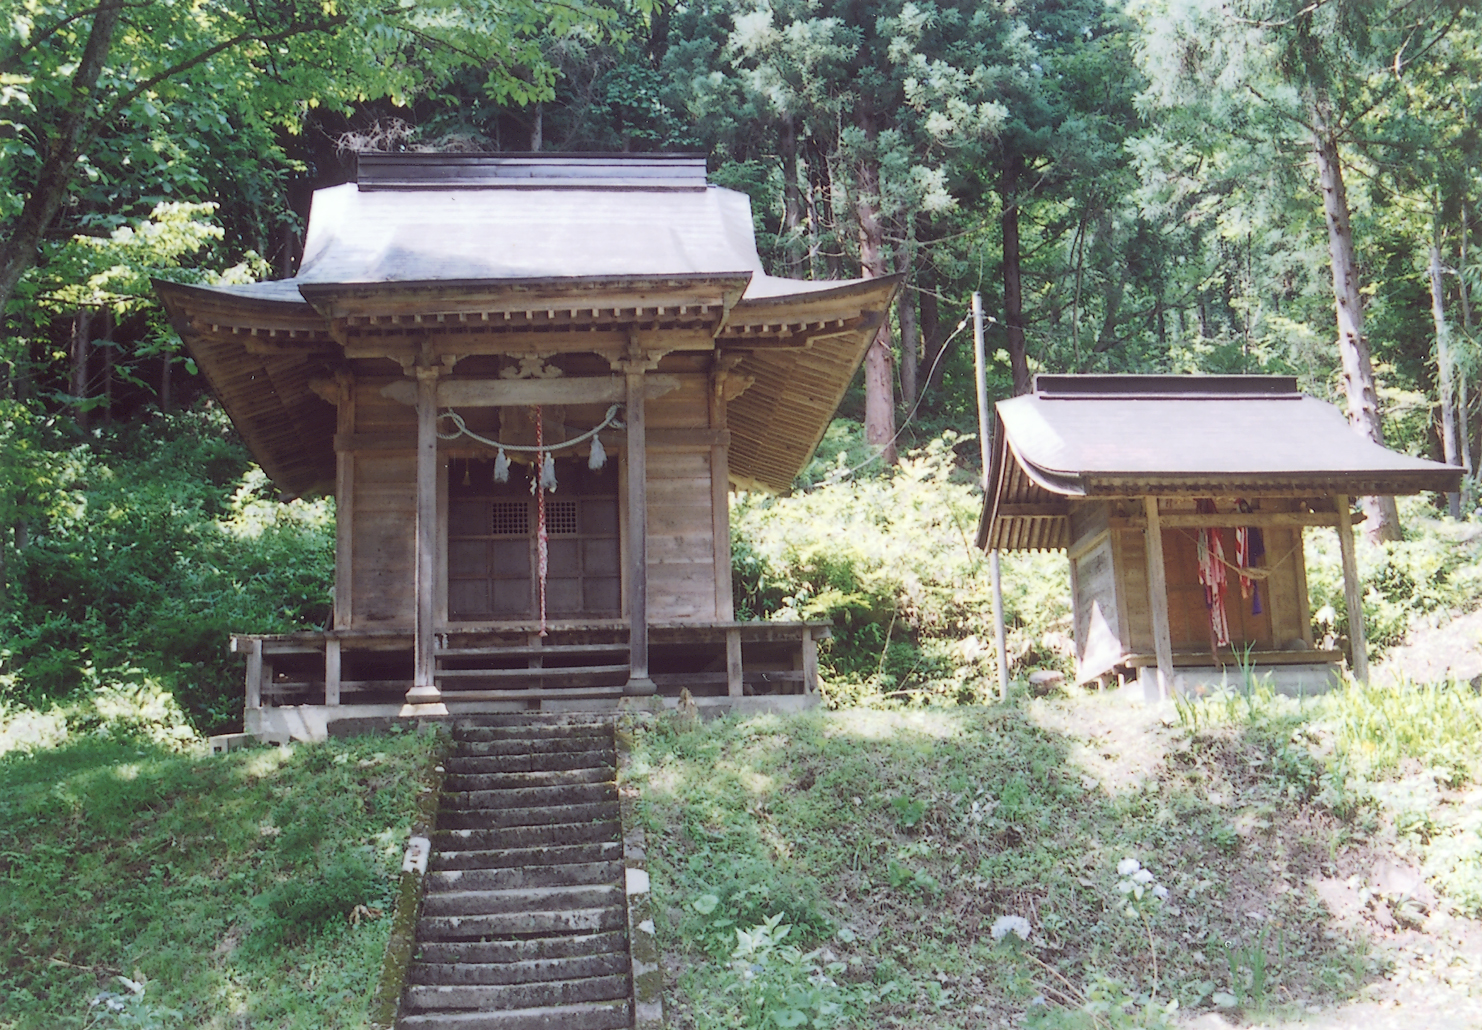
(893, 842)
(224, 882)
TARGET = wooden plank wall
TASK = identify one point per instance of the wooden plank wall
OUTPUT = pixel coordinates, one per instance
(1094, 586)
(1284, 618)
(384, 515)
(682, 554)
(681, 522)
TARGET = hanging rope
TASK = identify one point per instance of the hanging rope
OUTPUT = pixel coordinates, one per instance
(501, 463)
(538, 488)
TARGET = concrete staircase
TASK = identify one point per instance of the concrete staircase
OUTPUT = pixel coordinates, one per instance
(524, 924)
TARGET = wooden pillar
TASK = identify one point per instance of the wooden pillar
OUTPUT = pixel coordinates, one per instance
(254, 674)
(810, 662)
(424, 684)
(1352, 592)
(1158, 602)
(639, 683)
(734, 680)
(344, 506)
(332, 671)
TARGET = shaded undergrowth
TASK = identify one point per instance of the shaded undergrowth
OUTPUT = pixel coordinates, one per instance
(143, 884)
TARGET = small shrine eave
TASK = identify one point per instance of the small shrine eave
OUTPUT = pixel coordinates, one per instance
(1086, 437)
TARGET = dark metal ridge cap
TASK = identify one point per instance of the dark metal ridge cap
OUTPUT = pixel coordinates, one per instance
(1147, 387)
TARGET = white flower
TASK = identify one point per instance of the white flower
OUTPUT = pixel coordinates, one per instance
(1160, 892)
(1005, 925)
(1142, 876)
(1128, 866)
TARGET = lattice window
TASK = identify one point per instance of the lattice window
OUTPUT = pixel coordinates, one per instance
(511, 518)
(560, 518)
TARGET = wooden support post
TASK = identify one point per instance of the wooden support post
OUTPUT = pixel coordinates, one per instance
(332, 671)
(424, 683)
(1352, 591)
(344, 508)
(1000, 637)
(733, 663)
(639, 684)
(1158, 602)
(810, 662)
(254, 674)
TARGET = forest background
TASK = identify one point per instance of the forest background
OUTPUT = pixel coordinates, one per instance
(1158, 186)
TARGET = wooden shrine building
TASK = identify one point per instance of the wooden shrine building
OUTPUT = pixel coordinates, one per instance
(1182, 501)
(529, 382)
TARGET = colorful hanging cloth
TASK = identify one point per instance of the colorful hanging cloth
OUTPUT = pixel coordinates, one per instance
(1250, 548)
(538, 479)
(1212, 577)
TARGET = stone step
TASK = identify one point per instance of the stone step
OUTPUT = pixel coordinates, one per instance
(424, 997)
(603, 1015)
(524, 949)
(521, 746)
(535, 815)
(521, 899)
(577, 967)
(526, 836)
(598, 758)
(504, 858)
(524, 877)
(529, 797)
(464, 730)
(524, 780)
(509, 924)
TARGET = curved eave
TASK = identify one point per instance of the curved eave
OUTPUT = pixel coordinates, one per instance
(257, 357)
(802, 350)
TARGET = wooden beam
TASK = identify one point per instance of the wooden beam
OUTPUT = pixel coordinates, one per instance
(1158, 601)
(507, 393)
(424, 686)
(639, 683)
(1230, 519)
(1022, 511)
(1352, 591)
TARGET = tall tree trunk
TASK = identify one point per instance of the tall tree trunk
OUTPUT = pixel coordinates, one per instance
(107, 354)
(1013, 295)
(1383, 521)
(906, 312)
(18, 250)
(167, 360)
(879, 377)
(1443, 370)
(537, 130)
(1466, 325)
(792, 200)
(933, 333)
(81, 378)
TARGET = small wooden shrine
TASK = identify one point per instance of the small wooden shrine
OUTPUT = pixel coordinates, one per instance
(529, 382)
(1181, 502)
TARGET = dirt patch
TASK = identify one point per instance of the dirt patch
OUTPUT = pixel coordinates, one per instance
(1450, 646)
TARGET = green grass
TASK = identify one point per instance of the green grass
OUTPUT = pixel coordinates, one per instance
(226, 886)
(893, 842)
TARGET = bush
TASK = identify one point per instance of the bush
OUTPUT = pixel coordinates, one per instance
(148, 545)
(890, 559)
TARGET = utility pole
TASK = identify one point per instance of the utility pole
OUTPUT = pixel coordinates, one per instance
(985, 447)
